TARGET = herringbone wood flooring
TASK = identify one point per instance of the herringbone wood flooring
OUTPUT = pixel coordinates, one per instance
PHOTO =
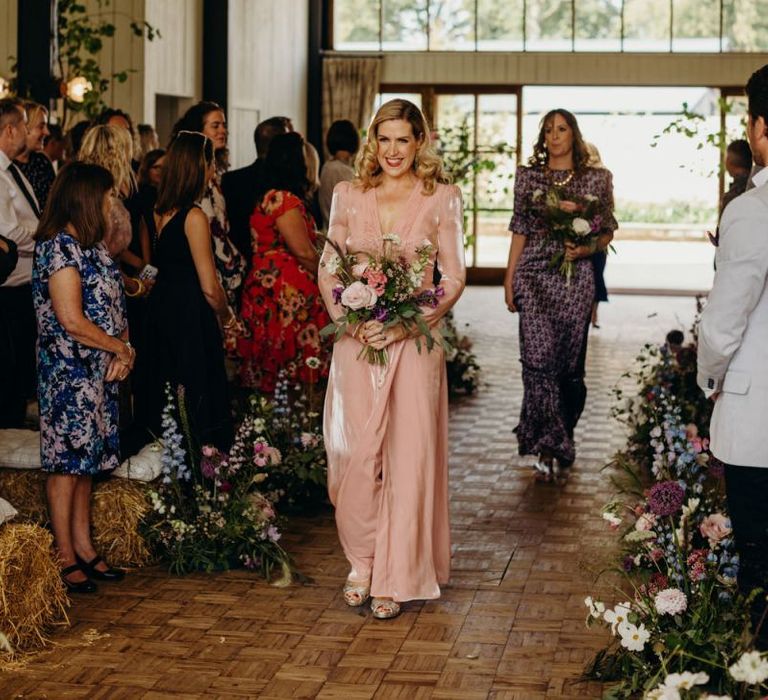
(510, 626)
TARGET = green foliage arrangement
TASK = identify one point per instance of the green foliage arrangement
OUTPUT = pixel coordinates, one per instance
(80, 37)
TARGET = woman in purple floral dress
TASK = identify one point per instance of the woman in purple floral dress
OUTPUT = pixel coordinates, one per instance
(82, 354)
(554, 311)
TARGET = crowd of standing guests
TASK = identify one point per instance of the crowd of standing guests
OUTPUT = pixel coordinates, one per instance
(126, 268)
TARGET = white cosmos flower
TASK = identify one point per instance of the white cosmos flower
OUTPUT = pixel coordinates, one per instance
(580, 226)
(617, 616)
(633, 637)
(674, 683)
(751, 668)
(596, 608)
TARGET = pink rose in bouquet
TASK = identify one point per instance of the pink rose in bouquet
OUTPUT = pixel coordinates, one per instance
(359, 296)
(715, 527)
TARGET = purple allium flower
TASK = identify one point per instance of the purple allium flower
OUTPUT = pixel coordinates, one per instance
(666, 498)
(381, 314)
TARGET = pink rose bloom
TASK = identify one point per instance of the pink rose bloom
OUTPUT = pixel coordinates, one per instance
(358, 296)
(715, 527)
(377, 280)
(570, 207)
(359, 270)
(646, 522)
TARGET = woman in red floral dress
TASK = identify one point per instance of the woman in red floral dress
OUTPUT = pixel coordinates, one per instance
(281, 304)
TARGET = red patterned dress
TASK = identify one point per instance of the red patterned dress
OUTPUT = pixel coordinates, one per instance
(281, 304)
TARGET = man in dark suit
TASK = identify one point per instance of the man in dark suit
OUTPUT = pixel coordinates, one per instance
(240, 187)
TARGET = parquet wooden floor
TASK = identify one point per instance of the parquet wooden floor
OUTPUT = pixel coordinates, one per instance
(510, 626)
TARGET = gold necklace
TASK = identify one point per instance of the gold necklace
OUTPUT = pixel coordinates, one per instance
(564, 182)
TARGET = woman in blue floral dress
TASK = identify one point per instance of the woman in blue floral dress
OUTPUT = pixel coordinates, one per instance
(83, 352)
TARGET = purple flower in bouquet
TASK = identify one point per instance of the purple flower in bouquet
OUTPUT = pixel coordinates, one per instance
(337, 291)
(208, 467)
(666, 498)
(716, 467)
(381, 314)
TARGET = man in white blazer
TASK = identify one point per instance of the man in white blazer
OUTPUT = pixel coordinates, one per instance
(733, 355)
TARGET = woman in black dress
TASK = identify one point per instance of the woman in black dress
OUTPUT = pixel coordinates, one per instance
(188, 308)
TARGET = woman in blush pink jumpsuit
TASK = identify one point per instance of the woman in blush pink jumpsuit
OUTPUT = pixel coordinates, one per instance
(386, 427)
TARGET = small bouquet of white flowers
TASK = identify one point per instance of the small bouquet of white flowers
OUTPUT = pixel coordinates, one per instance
(384, 287)
(573, 219)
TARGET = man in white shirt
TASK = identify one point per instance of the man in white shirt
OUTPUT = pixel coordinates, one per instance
(733, 357)
(19, 216)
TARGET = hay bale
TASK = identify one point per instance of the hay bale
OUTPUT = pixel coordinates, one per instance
(119, 506)
(25, 489)
(32, 597)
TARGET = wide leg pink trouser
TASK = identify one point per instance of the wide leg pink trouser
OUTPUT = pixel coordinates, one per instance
(386, 434)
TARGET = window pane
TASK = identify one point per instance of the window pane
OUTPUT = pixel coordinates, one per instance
(452, 25)
(496, 129)
(355, 25)
(548, 25)
(598, 25)
(496, 141)
(745, 25)
(500, 25)
(696, 26)
(405, 25)
(646, 25)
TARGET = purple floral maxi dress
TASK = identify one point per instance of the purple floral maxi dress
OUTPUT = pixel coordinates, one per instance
(78, 409)
(554, 316)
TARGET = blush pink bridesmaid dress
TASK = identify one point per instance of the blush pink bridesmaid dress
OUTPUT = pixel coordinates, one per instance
(386, 427)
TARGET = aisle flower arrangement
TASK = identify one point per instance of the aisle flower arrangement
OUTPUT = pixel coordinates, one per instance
(461, 363)
(209, 510)
(293, 461)
(683, 630)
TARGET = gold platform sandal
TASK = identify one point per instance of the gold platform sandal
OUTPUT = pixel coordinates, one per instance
(384, 608)
(356, 592)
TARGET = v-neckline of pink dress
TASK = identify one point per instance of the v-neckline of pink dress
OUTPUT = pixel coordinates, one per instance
(403, 216)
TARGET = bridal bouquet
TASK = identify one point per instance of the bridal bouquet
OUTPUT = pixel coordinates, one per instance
(383, 287)
(570, 219)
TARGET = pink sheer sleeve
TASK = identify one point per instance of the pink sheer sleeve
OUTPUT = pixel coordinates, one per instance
(450, 253)
(338, 231)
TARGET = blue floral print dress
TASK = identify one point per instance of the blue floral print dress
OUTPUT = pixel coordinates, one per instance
(78, 409)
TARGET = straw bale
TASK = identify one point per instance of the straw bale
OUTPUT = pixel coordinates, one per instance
(24, 489)
(32, 597)
(119, 506)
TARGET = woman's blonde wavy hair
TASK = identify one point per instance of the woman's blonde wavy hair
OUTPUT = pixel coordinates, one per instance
(111, 147)
(427, 166)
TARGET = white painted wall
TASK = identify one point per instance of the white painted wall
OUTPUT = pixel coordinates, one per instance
(268, 57)
(174, 65)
